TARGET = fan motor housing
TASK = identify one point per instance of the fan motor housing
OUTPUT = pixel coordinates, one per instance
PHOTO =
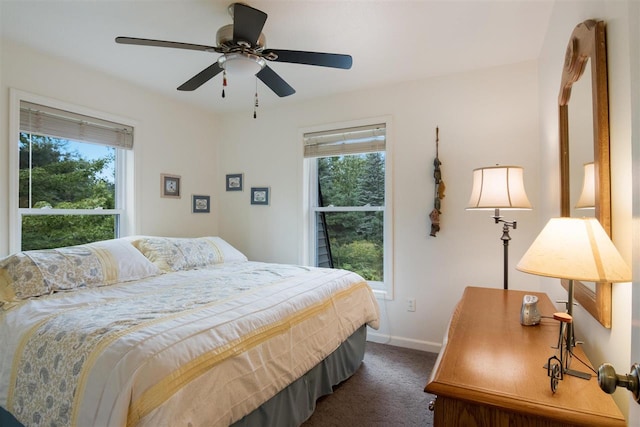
(224, 38)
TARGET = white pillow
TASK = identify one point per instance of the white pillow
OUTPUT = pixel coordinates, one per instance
(122, 262)
(229, 253)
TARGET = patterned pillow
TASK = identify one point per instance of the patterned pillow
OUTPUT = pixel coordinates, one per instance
(34, 273)
(174, 253)
(20, 278)
(79, 266)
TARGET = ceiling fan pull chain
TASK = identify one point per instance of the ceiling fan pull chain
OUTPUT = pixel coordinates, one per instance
(224, 81)
(255, 105)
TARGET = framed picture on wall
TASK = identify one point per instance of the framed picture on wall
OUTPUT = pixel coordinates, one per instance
(170, 186)
(259, 195)
(234, 182)
(201, 204)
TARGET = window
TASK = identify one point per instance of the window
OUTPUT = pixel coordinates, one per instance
(348, 194)
(70, 178)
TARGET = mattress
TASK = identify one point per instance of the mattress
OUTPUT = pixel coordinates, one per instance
(199, 347)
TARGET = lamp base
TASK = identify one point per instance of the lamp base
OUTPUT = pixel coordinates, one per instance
(574, 373)
(584, 375)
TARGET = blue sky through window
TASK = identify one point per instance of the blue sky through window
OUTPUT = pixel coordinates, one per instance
(90, 151)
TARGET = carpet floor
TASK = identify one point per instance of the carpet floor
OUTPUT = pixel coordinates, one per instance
(387, 390)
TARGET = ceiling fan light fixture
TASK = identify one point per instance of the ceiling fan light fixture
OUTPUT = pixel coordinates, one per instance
(241, 64)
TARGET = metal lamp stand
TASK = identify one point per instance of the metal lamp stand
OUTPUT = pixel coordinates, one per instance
(570, 340)
(505, 243)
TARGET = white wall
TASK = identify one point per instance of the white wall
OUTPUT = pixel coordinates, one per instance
(169, 138)
(601, 345)
(485, 117)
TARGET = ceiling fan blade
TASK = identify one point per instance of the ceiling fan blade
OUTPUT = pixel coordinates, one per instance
(275, 82)
(247, 23)
(333, 60)
(162, 43)
(201, 78)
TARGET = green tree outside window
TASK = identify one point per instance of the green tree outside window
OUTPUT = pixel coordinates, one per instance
(54, 174)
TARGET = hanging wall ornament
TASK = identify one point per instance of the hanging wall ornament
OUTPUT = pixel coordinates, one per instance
(438, 193)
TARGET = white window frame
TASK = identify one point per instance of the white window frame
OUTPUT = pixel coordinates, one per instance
(124, 179)
(382, 290)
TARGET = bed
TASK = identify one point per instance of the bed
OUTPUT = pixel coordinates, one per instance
(157, 331)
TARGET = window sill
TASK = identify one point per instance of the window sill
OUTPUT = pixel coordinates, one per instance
(382, 294)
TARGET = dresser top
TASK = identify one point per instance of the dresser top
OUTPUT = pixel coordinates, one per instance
(488, 357)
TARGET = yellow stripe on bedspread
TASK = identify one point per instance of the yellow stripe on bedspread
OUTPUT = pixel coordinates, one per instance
(164, 389)
(109, 264)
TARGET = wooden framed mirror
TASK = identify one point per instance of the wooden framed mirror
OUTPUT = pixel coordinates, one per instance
(587, 50)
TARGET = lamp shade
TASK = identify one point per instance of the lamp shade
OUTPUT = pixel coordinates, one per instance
(587, 198)
(498, 187)
(575, 249)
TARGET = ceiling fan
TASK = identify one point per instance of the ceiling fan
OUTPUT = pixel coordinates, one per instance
(242, 46)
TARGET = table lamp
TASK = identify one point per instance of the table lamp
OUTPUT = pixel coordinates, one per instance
(574, 249)
(495, 188)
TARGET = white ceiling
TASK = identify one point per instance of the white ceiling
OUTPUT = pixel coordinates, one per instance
(390, 41)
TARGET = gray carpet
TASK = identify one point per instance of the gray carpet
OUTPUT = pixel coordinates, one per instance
(387, 390)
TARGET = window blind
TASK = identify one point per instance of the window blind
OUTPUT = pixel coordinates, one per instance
(53, 122)
(354, 140)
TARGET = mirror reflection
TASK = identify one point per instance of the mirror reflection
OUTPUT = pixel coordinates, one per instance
(581, 181)
(581, 145)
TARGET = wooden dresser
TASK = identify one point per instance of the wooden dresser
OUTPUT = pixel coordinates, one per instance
(490, 371)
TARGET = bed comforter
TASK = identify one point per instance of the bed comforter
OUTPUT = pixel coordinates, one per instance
(201, 347)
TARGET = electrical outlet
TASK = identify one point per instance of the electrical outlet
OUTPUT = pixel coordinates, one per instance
(411, 304)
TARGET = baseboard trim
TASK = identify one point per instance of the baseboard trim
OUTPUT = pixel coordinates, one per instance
(431, 347)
